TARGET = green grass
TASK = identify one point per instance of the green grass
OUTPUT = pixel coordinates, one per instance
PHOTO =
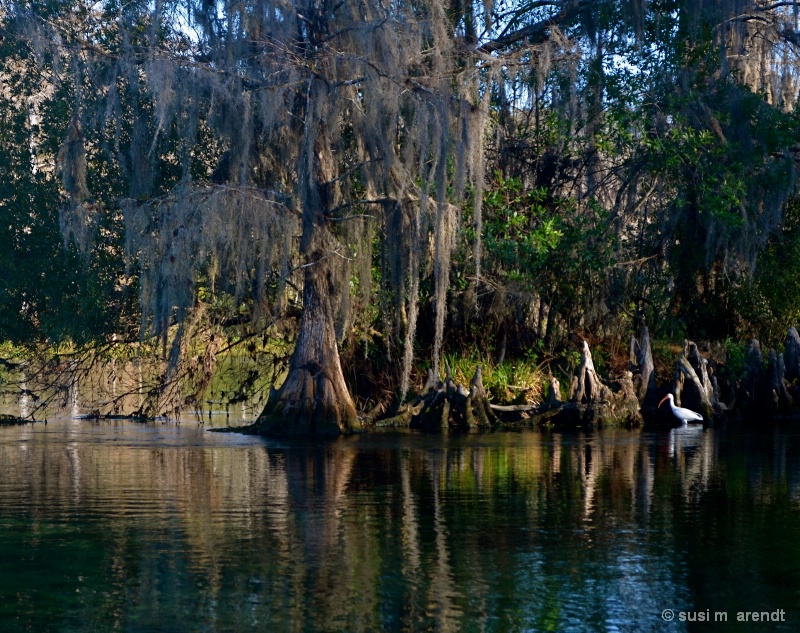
(518, 381)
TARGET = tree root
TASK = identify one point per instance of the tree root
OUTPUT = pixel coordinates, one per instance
(593, 403)
(447, 406)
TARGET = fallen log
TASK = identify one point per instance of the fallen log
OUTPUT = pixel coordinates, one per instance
(513, 408)
(12, 420)
(374, 413)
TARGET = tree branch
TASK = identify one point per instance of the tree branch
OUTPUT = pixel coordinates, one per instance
(538, 31)
(777, 5)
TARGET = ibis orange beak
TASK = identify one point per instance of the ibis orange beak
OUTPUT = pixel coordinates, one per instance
(662, 400)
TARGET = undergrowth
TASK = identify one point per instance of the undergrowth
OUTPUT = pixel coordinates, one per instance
(518, 381)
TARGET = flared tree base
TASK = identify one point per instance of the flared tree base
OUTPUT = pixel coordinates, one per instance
(313, 401)
(308, 404)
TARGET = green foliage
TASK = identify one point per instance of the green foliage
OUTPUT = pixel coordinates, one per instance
(48, 290)
(522, 229)
(719, 152)
(510, 381)
(633, 176)
(735, 357)
(769, 302)
(538, 242)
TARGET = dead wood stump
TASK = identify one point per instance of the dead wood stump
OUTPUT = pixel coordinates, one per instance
(554, 393)
(753, 390)
(781, 402)
(447, 405)
(791, 355)
(643, 370)
(690, 391)
(593, 403)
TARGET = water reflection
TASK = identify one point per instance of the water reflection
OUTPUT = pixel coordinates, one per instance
(119, 387)
(165, 527)
(24, 399)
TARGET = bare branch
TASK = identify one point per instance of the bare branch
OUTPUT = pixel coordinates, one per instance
(538, 31)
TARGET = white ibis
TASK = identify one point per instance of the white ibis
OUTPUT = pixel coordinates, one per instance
(684, 415)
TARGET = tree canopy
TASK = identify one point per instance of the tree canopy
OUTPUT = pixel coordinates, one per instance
(420, 174)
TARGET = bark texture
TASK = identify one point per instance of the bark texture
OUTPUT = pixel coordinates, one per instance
(586, 385)
(770, 394)
(314, 399)
(643, 369)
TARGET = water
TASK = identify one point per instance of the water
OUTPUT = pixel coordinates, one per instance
(121, 526)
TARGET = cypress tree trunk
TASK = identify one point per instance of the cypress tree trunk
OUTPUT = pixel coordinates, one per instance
(313, 399)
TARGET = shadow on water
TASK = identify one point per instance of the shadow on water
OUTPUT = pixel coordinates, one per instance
(124, 526)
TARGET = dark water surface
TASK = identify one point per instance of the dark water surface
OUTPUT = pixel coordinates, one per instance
(164, 527)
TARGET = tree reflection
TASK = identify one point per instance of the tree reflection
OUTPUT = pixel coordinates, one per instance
(138, 530)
